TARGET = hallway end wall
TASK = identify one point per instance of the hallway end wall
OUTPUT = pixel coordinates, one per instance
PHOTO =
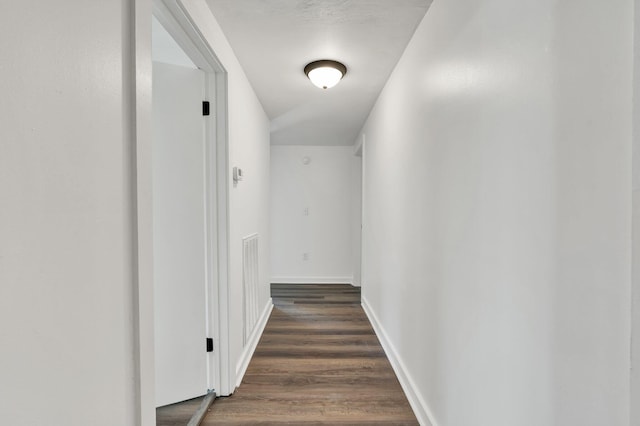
(497, 213)
(312, 214)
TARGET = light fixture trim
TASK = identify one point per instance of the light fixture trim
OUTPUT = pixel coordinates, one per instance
(325, 63)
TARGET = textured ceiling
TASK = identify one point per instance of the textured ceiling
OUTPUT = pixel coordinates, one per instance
(275, 39)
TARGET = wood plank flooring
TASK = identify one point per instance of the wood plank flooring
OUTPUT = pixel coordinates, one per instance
(177, 414)
(318, 363)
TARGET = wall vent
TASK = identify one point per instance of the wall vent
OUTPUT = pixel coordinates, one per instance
(250, 284)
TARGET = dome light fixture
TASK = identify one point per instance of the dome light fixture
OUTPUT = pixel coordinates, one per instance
(325, 73)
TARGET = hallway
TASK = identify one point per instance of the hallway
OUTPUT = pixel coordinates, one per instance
(318, 362)
(476, 171)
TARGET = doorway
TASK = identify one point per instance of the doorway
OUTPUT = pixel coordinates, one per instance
(179, 223)
(190, 198)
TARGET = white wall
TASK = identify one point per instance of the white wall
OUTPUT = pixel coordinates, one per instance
(248, 128)
(356, 219)
(324, 189)
(73, 294)
(165, 49)
(497, 213)
(67, 264)
(635, 311)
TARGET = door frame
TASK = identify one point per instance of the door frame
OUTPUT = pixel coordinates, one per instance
(359, 151)
(174, 17)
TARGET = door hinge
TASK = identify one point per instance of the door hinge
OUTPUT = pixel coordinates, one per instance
(205, 107)
(209, 344)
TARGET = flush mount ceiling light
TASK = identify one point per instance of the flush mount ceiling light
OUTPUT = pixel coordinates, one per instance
(325, 73)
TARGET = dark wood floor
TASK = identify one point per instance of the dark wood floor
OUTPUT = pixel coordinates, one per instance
(177, 414)
(318, 363)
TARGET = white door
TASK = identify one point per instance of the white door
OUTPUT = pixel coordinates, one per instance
(179, 233)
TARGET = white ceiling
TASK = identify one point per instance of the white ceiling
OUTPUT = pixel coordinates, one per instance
(275, 39)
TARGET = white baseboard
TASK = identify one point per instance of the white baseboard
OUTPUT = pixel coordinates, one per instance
(418, 404)
(312, 280)
(250, 347)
